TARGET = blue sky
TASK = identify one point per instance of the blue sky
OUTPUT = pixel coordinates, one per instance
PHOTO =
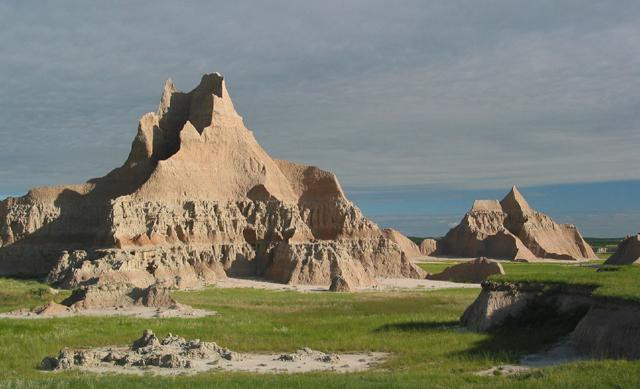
(459, 98)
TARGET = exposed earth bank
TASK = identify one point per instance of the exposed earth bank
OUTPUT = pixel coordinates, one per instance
(604, 327)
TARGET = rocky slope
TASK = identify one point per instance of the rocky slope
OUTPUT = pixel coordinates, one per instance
(197, 199)
(511, 229)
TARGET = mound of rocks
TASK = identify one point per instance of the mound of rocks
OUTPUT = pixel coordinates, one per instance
(474, 271)
(511, 229)
(627, 253)
(171, 352)
(176, 355)
(196, 200)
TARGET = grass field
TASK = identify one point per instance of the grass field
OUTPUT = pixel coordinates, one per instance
(418, 328)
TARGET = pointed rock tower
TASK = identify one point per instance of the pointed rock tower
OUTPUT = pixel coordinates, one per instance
(197, 199)
(511, 229)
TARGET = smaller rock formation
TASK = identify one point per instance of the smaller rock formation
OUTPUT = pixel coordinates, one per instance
(120, 295)
(627, 253)
(474, 271)
(173, 354)
(339, 284)
(512, 229)
(428, 247)
(52, 309)
(406, 245)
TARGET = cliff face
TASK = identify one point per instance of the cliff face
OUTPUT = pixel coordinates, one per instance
(196, 199)
(511, 229)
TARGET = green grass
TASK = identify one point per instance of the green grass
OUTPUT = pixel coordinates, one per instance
(418, 328)
(26, 293)
(618, 282)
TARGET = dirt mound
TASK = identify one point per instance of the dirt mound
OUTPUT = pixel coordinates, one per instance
(176, 355)
(408, 247)
(627, 253)
(196, 200)
(52, 309)
(511, 229)
(119, 295)
(339, 284)
(474, 271)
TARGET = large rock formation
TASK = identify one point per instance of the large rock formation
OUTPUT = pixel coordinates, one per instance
(197, 199)
(627, 253)
(511, 229)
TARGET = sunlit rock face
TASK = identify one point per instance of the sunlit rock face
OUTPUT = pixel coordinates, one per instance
(511, 229)
(197, 199)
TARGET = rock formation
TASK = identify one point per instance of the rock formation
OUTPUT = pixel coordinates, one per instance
(428, 247)
(197, 199)
(474, 271)
(408, 247)
(172, 355)
(511, 229)
(627, 253)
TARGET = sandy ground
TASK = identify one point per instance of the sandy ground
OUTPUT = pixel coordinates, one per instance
(254, 363)
(299, 362)
(383, 284)
(560, 353)
(138, 312)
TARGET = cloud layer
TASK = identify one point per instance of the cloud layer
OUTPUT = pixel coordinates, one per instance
(455, 93)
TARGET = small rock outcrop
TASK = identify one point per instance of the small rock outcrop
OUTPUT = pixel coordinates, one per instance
(428, 247)
(474, 271)
(511, 229)
(339, 284)
(120, 295)
(176, 355)
(627, 253)
(408, 247)
(172, 352)
(196, 200)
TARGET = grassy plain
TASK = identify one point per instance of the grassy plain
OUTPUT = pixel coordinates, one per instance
(419, 328)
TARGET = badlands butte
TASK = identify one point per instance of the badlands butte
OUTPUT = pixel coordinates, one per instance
(197, 200)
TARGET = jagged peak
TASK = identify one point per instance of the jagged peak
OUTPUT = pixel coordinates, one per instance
(515, 201)
(486, 205)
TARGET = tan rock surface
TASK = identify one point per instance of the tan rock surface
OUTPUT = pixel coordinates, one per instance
(474, 271)
(511, 229)
(196, 200)
(408, 247)
(627, 253)
(428, 246)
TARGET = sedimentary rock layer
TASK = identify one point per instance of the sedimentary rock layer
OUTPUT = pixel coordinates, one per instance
(511, 229)
(197, 199)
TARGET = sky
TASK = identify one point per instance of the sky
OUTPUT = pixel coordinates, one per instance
(430, 100)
